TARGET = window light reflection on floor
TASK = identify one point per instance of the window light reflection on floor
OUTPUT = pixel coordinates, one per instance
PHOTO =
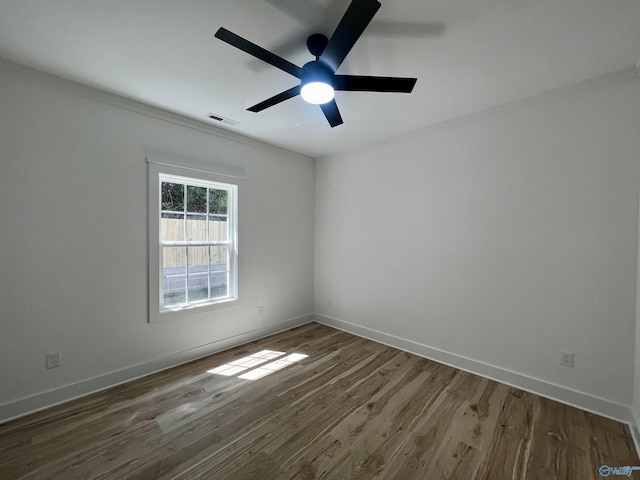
(269, 368)
(245, 363)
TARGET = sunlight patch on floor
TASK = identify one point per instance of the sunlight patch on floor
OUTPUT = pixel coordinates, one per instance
(269, 368)
(245, 363)
(241, 365)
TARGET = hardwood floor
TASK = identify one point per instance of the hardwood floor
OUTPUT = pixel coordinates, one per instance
(352, 409)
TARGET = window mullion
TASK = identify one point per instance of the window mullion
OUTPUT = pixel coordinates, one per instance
(176, 243)
(185, 239)
(208, 236)
(209, 270)
(228, 268)
(184, 211)
(186, 277)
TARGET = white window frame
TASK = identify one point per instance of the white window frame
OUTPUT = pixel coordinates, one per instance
(159, 172)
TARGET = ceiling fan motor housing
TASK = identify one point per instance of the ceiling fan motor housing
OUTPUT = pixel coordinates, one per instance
(316, 71)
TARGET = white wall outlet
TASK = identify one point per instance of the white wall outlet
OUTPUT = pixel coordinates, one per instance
(260, 310)
(53, 359)
(329, 303)
(566, 359)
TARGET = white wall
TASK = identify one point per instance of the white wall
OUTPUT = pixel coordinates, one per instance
(504, 238)
(635, 408)
(73, 237)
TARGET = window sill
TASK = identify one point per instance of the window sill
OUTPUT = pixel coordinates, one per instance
(192, 310)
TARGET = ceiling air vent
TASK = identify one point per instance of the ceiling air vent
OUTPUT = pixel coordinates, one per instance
(221, 119)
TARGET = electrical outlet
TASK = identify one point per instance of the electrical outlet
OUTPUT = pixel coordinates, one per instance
(260, 310)
(53, 359)
(566, 359)
(328, 302)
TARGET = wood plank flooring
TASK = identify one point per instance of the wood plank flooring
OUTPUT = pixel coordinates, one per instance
(353, 409)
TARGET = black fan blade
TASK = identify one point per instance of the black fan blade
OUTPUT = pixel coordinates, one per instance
(258, 52)
(330, 110)
(353, 23)
(358, 83)
(292, 45)
(276, 99)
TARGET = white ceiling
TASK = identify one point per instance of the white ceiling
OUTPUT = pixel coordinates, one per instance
(468, 55)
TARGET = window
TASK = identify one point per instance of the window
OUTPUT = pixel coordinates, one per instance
(193, 242)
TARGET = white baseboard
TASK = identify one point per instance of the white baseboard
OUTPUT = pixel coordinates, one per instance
(574, 398)
(635, 433)
(27, 405)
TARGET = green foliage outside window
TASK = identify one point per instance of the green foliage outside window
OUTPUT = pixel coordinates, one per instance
(173, 199)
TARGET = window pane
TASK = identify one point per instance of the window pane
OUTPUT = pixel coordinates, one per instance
(174, 262)
(196, 199)
(196, 227)
(198, 272)
(218, 228)
(218, 201)
(173, 197)
(218, 271)
(172, 227)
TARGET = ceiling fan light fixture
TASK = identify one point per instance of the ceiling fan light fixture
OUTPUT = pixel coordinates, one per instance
(318, 78)
(317, 93)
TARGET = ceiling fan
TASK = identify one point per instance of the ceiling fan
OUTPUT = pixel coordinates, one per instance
(318, 78)
(324, 15)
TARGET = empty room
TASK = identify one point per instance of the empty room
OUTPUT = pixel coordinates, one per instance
(319, 239)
